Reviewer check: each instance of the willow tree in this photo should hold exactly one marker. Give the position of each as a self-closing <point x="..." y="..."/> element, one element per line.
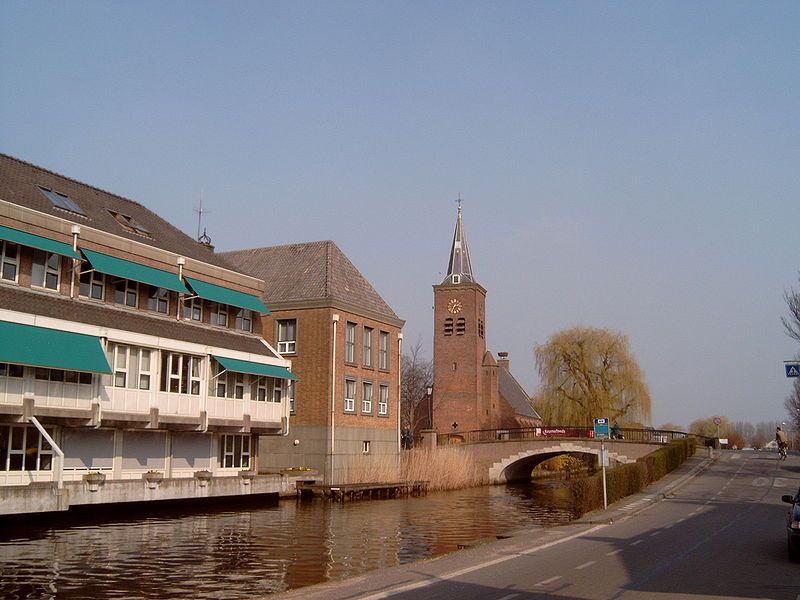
<point x="587" y="373"/>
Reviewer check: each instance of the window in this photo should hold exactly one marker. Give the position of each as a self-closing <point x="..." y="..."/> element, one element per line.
<point x="193" y="309"/>
<point x="244" y="320"/>
<point x="460" y="326"/>
<point x="367" y="346"/>
<point x="350" y="342"/>
<point x="287" y="336"/>
<point x="9" y="261"/>
<point x="290" y="387"/>
<point x="24" y="449"/>
<point x="46" y="269"/>
<point x="235" y="451"/>
<point x="60" y="376"/>
<point x="61" y="201"/>
<point x="259" y="390"/>
<point x="366" y="398"/>
<point x="229" y="384"/>
<point x="129" y="224"/>
<point x="126" y="292"/>
<point x="92" y="285"/>
<point x="480" y="327"/>
<point x="383" y="400"/>
<point x="383" y="350"/>
<point x="219" y="314"/>
<point x="180" y="373"/>
<point x="131" y="366"/>
<point x="349" y="395"/>
<point x="277" y="391"/>
<point x="8" y="370"/>
<point x="365" y="446"/>
<point x="448" y="326"/>
<point x="158" y="300"/>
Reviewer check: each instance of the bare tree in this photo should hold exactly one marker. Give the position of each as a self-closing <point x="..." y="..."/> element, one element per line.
<point x="588" y="373"/>
<point x="793" y="407"/>
<point x="416" y="377"/>
<point x="792" y="323"/>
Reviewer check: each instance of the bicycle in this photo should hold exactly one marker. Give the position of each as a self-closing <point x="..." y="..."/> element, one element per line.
<point x="781" y="451"/>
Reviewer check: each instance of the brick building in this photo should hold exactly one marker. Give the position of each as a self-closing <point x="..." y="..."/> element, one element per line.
<point x="345" y="345"/>
<point x="471" y="390"/>
<point x="127" y="349"/>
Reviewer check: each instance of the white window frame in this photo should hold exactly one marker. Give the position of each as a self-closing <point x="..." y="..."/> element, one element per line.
<point x="43" y="449"/>
<point x="191" y="385"/>
<point x="158" y="300"/>
<point x="291" y="386"/>
<point x="6" y="260"/>
<point x="96" y="281"/>
<point x="277" y="391"/>
<point x="367" y="350"/>
<point x="48" y="271"/>
<point x="365" y="446"/>
<point x="193" y="309"/>
<point x="131" y="289"/>
<point x="121" y="357"/>
<point x="287" y="344"/>
<point x="229" y="457"/>
<point x="350" y="342"/>
<point x="383" y="350"/>
<point x="243" y="321"/>
<point x="383" y="400"/>
<point x="219" y="311"/>
<point x="366" y="397"/>
<point x="259" y="390"/>
<point x="349" y="398"/>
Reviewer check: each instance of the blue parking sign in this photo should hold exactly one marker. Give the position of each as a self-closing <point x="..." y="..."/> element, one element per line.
<point x="601" y="429"/>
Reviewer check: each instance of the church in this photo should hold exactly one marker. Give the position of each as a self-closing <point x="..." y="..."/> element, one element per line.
<point x="471" y="389"/>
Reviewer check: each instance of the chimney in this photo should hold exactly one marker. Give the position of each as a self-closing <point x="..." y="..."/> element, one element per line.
<point x="502" y="360"/>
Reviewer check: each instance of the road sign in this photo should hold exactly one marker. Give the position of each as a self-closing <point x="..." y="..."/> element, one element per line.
<point x="601" y="429"/>
<point x="792" y="369"/>
<point x="717" y="420"/>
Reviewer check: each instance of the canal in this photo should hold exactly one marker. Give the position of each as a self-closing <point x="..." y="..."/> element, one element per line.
<point x="243" y="552"/>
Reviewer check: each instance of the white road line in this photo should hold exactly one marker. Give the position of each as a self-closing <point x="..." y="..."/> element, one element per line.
<point x="496" y="561"/>
<point x="551" y="580"/>
<point x="698" y="509"/>
<point x="508" y="597"/>
<point x="584" y="565"/>
<point x="655" y="533"/>
<point x="613" y="552"/>
<point x="636" y="542"/>
<point x="681" y="520"/>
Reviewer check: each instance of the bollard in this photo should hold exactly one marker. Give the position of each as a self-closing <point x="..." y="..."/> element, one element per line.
<point x="710" y="452"/>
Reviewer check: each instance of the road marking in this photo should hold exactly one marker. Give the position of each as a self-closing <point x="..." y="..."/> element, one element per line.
<point x="613" y="552"/>
<point x="698" y="509"/>
<point x="496" y="561"/>
<point x="551" y="580"/>
<point x="636" y="542"/>
<point x="655" y="533"/>
<point x="681" y="520"/>
<point x="668" y="526"/>
<point x="586" y="564"/>
<point x="508" y="597"/>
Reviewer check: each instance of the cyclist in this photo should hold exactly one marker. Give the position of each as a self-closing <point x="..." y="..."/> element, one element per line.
<point x="780" y="437"/>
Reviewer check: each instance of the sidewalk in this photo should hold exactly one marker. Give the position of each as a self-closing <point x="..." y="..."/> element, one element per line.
<point x="383" y="582"/>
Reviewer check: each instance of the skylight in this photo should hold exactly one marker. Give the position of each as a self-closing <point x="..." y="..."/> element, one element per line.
<point x="62" y="201"/>
<point x="129" y="223"/>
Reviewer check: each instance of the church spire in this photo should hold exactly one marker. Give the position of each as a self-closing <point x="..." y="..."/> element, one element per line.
<point x="459" y="269"/>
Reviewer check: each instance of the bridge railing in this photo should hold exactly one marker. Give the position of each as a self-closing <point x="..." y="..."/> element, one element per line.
<point x="658" y="436"/>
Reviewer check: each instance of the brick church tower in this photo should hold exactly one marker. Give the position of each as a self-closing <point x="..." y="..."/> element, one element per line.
<point x="459" y="344"/>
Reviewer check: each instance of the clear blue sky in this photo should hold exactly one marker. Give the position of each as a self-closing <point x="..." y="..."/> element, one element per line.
<point x="632" y="165"/>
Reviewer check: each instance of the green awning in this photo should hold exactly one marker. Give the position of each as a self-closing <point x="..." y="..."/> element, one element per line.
<point x="24" y="238"/>
<point x="41" y="347"/>
<point x="253" y="368"/>
<point x="223" y="295"/>
<point x="119" y="267"/>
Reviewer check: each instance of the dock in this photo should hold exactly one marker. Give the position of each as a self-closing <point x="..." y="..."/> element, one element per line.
<point x="362" y="491"/>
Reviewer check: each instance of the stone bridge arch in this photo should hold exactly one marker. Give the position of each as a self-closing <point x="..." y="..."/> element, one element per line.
<point x="518" y="466"/>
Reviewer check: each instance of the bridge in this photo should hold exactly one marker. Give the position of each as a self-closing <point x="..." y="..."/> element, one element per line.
<point x="511" y="454"/>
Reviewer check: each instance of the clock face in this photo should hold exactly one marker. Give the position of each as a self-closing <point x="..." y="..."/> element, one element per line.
<point x="454" y="306"/>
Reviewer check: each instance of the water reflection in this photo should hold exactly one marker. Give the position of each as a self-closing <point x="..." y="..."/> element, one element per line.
<point x="247" y="551"/>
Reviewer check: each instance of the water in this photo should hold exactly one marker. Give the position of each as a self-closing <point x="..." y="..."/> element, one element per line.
<point x="246" y="552"/>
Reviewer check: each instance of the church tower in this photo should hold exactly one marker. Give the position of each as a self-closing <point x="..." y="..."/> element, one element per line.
<point x="459" y="344"/>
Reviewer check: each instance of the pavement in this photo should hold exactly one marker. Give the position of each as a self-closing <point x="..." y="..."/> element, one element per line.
<point x="383" y="583"/>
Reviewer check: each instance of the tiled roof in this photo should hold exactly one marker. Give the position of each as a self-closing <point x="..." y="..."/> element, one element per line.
<point x="309" y="271"/>
<point x="19" y="184"/>
<point x="45" y="304"/>
<point x="515" y="394"/>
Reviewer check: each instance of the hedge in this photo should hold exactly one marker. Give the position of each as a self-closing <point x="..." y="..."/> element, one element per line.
<point x="628" y="479"/>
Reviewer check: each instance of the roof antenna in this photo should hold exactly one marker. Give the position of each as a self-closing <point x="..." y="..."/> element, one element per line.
<point x="200" y="212"/>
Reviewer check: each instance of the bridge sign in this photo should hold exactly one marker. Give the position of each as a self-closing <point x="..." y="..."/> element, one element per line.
<point x="792" y="369"/>
<point x="601" y="429"/>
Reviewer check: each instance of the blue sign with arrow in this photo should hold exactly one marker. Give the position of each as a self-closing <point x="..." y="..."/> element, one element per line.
<point x="792" y="369"/>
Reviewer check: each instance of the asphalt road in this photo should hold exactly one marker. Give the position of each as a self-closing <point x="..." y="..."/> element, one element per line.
<point x="713" y="529"/>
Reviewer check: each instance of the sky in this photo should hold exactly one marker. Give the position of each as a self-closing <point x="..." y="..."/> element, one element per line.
<point x="627" y="165"/>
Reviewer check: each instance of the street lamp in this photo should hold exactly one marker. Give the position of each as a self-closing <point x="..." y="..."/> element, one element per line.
<point x="430" y="408"/>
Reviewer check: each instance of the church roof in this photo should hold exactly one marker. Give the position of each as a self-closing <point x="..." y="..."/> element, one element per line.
<point x="515" y="394"/>
<point x="308" y="272"/>
<point x="459" y="269"/>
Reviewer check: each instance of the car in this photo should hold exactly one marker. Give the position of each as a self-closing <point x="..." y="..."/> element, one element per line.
<point x="793" y="526"/>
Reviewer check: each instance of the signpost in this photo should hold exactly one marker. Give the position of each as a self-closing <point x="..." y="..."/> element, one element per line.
<point x="601" y="433"/>
<point x="792" y="368"/>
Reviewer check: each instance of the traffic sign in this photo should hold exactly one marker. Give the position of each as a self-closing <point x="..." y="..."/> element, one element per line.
<point x="601" y="429"/>
<point x="792" y="369"/>
<point x="717" y="420"/>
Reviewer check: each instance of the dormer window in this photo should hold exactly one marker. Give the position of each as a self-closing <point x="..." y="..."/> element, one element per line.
<point x="129" y="224"/>
<point x="61" y="201"/>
